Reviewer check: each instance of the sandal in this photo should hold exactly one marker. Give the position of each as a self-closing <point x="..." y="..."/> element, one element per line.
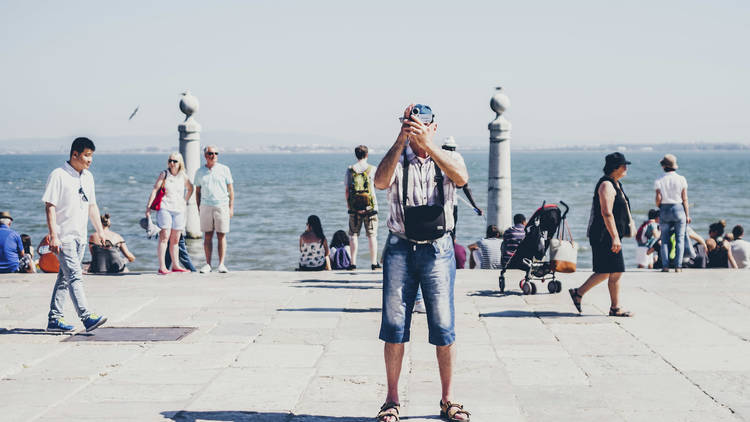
<point x="448" y="411"/>
<point x="619" y="313"/>
<point x="389" y="409"/>
<point x="573" y="295"/>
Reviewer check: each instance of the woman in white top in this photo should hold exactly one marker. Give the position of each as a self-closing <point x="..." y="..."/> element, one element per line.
<point x="674" y="212"/>
<point x="171" y="215"/>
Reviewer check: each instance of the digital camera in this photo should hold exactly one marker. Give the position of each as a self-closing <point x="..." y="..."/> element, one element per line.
<point x="423" y="112"/>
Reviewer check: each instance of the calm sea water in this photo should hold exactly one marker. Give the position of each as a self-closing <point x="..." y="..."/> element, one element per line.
<point x="276" y="193"/>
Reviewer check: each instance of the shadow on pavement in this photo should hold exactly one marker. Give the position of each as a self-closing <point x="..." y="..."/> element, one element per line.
<point x="339" y="281"/>
<point x="493" y="293"/>
<point x="350" y="310"/>
<point x="32" y="331"/>
<point x="244" y="416"/>
<point x="338" y="287"/>
<point x="531" y="314"/>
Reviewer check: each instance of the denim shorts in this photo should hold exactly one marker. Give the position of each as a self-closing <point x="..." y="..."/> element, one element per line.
<point x="407" y="266"/>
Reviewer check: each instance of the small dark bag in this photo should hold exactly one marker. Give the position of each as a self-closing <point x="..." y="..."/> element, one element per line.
<point x="424" y="222"/>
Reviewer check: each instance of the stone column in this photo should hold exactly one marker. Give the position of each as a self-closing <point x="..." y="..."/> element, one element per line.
<point x="499" y="210"/>
<point x="190" y="148"/>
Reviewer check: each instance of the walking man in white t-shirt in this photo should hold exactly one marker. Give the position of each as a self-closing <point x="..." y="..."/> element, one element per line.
<point x="674" y="211"/>
<point x="70" y="200"/>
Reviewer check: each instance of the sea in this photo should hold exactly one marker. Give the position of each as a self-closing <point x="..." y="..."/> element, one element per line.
<point x="275" y="193"/>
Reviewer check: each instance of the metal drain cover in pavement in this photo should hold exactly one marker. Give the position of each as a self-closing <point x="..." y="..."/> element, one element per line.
<point x="134" y="334"/>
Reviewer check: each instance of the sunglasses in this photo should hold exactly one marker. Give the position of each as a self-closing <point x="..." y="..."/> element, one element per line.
<point x="173" y="161"/>
<point x="212" y="153"/>
<point x="83" y="194"/>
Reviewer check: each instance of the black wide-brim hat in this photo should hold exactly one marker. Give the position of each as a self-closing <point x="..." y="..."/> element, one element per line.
<point x="616" y="159"/>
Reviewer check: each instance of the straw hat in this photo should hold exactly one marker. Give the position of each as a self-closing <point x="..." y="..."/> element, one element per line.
<point x="670" y="161"/>
<point x="6" y="214"/>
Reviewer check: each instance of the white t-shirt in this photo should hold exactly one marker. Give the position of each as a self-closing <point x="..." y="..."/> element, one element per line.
<point x="741" y="252"/>
<point x="671" y="186"/>
<point x="71" y="193"/>
<point x="174" y="192"/>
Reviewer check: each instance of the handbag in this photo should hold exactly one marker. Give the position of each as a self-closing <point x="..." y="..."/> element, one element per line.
<point x="156" y="205"/>
<point x="424" y="222"/>
<point x="563" y="253"/>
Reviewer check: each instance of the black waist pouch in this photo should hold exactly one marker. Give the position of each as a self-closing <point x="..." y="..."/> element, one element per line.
<point x="425" y="222"/>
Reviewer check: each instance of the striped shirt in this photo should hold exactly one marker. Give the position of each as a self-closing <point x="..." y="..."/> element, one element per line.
<point x="491" y="253"/>
<point x="422" y="189"/>
<point x="511" y="239"/>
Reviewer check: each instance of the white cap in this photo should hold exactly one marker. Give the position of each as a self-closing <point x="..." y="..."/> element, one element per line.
<point x="450" y="142"/>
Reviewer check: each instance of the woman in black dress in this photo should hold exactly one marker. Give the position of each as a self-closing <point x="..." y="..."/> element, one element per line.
<point x="610" y="221"/>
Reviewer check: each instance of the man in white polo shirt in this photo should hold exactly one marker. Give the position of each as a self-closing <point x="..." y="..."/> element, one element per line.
<point x="70" y="200"/>
<point x="214" y="195"/>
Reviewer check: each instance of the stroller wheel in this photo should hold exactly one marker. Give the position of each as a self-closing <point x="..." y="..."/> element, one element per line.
<point x="559" y="286"/>
<point x="526" y="288"/>
<point x="552" y="287"/>
<point x="501" y="284"/>
<point x="533" y="288"/>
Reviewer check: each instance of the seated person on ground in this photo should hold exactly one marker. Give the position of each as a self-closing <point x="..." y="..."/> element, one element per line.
<point x="646" y="237"/>
<point x="513" y="237"/>
<point x="27" y="264"/>
<point x="11" y="246"/>
<point x="719" y="249"/>
<point x="740" y="248"/>
<point x="313" y="247"/>
<point x="341" y="254"/>
<point x="488" y="251"/>
<point x="108" y="258"/>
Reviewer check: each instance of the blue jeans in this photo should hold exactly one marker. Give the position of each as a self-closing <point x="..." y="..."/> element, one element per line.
<point x="69" y="279"/>
<point x="185" y="260"/>
<point x="408" y="266"/>
<point x="672" y="218"/>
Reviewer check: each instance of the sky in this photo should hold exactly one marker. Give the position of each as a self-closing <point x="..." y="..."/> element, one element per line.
<point x="576" y="72"/>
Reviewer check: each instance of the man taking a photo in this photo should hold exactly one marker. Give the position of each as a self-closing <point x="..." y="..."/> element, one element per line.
<point x="421" y="180"/>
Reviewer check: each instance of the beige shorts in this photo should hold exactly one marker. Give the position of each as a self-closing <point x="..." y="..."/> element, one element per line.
<point x="214" y="219"/>
<point x="370" y="222"/>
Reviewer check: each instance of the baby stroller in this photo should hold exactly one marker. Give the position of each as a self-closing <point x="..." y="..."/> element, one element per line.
<point x="541" y="228"/>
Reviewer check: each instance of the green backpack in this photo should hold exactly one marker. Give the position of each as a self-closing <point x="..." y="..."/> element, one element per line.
<point x="360" y="191"/>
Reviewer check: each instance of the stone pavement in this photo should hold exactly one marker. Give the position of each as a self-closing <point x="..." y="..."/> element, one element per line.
<point x="303" y="347"/>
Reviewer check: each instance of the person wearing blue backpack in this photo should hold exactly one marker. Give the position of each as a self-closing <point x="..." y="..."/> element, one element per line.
<point x="341" y="258"/>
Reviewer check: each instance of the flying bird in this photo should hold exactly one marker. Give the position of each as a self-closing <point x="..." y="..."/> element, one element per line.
<point x="134" y="111"/>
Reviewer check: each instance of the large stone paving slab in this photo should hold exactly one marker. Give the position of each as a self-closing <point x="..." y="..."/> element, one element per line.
<point x="291" y="347"/>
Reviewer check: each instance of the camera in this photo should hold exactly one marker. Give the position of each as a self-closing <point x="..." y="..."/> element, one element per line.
<point x="423" y="113"/>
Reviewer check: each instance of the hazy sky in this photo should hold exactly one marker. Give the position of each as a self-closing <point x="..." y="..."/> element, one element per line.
<point x="576" y="71"/>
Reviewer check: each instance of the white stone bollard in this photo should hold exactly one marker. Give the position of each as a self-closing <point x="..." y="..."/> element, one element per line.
<point x="190" y="148"/>
<point x="499" y="210"/>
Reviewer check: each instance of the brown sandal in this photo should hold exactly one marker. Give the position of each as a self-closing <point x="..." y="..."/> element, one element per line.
<point x="389" y="409"/>
<point x="619" y="313"/>
<point x="448" y="411"/>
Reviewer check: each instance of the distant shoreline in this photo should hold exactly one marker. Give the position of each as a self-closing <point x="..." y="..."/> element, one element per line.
<point x="379" y="149"/>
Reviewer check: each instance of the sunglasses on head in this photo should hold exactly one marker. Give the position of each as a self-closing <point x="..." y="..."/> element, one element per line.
<point x="212" y="153"/>
<point x="172" y="161"/>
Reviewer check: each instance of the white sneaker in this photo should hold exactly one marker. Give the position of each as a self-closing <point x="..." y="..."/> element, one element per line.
<point x="419" y="307"/>
<point x="205" y="269"/>
<point x="222" y="269"/>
